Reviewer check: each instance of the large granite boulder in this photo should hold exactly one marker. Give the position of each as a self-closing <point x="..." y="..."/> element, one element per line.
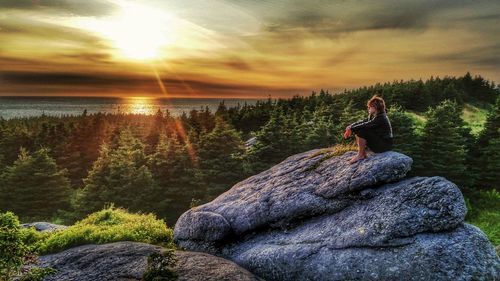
<point x="315" y="217"/>
<point x="460" y="254"/>
<point x="128" y="261"/>
<point x="303" y="185"/>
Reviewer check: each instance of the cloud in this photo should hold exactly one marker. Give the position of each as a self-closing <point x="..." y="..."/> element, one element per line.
<point x="81" y="8"/>
<point x="255" y="47"/>
<point x="340" y="57"/>
<point x="481" y="56"/>
<point x="334" y="18"/>
<point x="486" y="17"/>
<point x="68" y="83"/>
<point x="61" y="78"/>
<point x="33" y="28"/>
<point x="238" y="64"/>
<point x="100" y="58"/>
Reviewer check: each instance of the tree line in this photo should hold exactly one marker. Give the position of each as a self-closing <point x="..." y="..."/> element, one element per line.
<point x="69" y="166"/>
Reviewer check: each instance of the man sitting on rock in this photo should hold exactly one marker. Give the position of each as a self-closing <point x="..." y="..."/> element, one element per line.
<point x="375" y="132"/>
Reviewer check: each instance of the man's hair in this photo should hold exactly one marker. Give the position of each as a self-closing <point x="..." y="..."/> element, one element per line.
<point x="378" y="102"/>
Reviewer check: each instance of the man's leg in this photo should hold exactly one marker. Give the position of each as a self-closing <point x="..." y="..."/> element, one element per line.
<point x="361" y="150"/>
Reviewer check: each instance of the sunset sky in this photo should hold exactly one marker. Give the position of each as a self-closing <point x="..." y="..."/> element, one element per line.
<point x="239" y="48"/>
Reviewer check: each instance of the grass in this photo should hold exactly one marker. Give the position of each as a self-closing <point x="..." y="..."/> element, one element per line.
<point x="419" y="120"/>
<point x="335" y="150"/>
<point x="474" y="117"/>
<point x="484" y="212"/>
<point x="105" y="226"/>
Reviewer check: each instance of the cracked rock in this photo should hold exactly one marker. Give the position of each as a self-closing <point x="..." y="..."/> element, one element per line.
<point x="315" y="217"/>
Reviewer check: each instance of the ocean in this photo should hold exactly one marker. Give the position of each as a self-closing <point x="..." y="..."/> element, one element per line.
<point x="15" y="107"/>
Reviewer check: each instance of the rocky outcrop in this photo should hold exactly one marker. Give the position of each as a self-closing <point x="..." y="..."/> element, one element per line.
<point x="128" y="261"/>
<point x="44" y="226"/>
<point x="461" y="254"/>
<point x="315" y="217"/>
<point x="303" y="185"/>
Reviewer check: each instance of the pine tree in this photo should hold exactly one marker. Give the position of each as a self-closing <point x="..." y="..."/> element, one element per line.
<point x="452" y="93"/>
<point x="490" y="165"/>
<point x="222" y="112"/>
<point x="295" y="138"/>
<point x="2" y="163"/>
<point x="220" y="153"/>
<point x="403" y="128"/>
<point x="486" y="162"/>
<point x="82" y="147"/>
<point x="320" y="131"/>
<point x="491" y="125"/>
<point x="349" y="115"/>
<point x="271" y="145"/>
<point x="157" y="128"/>
<point x="12" y="138"/>
<point x="118" y="176"/>
<point x="170" y="163"/>
<point x="175" y="175"/>
<point x="34" y="187"/>
<point x="443" y="145"/>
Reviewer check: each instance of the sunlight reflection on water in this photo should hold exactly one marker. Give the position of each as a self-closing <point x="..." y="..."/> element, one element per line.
<point x="140" y="106"/>
<point x="11" y="107"/>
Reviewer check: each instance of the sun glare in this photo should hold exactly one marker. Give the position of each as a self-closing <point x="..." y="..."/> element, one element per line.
<point x="136" y="32"/>
<point x="140" y="32"/>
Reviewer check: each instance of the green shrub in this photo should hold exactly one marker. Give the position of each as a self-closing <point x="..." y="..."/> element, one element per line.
<point x="37" y="274"/>
<point x="161" y="267"/>
<point x="12" y="249"/>
<point x="485" y="212"/>
<point x="14" y="252"/>
<point x="32" y="238"/>
<point x="109" y="225"/>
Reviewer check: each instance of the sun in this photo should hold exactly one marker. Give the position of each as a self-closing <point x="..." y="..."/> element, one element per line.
<point x="139" y="32"/>
<point x="136" y="32"/>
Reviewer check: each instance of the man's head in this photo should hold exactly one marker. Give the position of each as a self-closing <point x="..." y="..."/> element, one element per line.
<point x="376" y="105"/>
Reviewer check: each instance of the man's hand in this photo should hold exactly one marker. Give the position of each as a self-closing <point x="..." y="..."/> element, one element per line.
<point x="347" y="132"/>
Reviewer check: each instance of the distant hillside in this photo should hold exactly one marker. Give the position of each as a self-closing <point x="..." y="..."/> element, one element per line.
<point x="473" y="115"/>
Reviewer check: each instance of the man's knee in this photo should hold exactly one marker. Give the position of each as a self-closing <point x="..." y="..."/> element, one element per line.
<point x="361" y="138"/>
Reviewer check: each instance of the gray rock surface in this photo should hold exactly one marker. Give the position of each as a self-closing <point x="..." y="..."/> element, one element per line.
<point x="430" y="205"/>
<point x="458" y="255"/>
<point x="303" y="185"/>
<point x="196" y="266"/>
<point x="336" y="221"/>
<point x="44" y="226"/>
<point x="128" y="261"/>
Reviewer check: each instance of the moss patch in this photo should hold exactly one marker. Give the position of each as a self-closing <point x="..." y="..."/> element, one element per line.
<point x="106" y="226"/>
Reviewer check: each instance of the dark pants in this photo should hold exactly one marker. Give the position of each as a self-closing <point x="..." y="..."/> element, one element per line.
<point x="374" y="142"/>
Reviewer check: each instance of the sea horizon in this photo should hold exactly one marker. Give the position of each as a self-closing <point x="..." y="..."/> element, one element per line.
<point x="32" y="106"/>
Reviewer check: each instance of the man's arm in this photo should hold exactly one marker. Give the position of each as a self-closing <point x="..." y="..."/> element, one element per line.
<point x="360" y="121"/>
<point x="373" y="123"/>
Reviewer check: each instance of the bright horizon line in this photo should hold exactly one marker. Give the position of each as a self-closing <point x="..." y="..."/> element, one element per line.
<point x="131" y="97"/>
<point x="142" y="97"/>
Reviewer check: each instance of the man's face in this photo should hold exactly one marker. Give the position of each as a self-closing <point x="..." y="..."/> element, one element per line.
<point x="371" y="109"/>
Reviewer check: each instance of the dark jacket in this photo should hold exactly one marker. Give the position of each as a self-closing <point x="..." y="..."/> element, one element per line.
<point x="379" y="123"/>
